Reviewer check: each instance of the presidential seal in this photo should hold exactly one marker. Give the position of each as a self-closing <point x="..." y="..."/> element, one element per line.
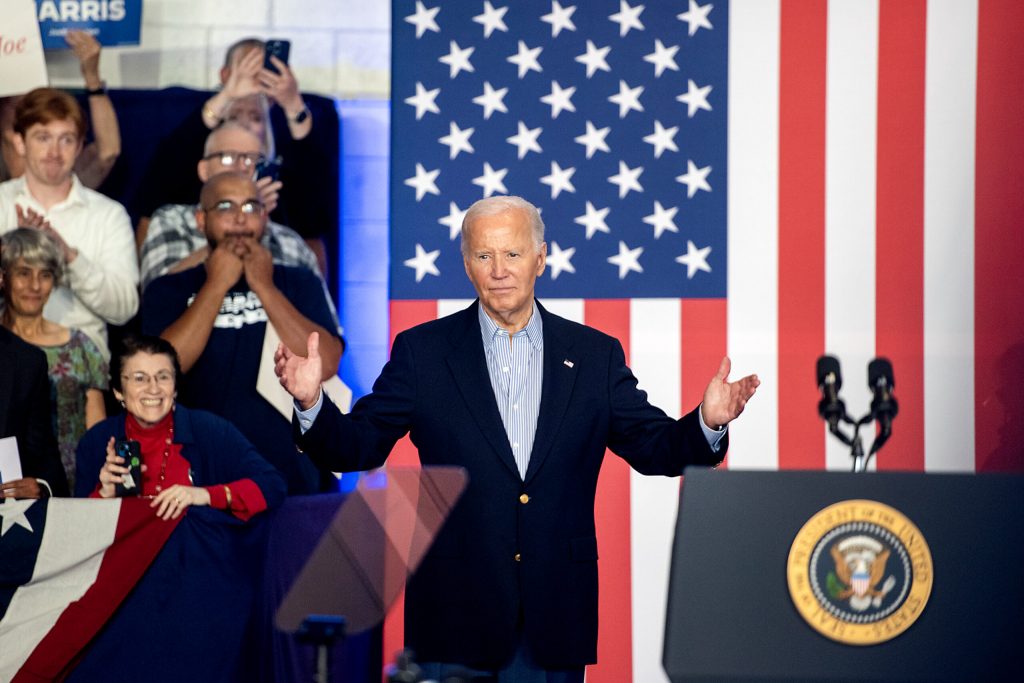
<point x="859" y="572"/>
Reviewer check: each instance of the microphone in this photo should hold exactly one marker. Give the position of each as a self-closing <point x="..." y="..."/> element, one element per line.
<point x="830" y="381"/>
<point x="883" y="404"/>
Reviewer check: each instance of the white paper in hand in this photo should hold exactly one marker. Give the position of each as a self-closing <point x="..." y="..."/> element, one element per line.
<point x="10" y="462"/>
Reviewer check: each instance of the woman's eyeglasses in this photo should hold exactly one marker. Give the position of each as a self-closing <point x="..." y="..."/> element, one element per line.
<point x="142" y="379"/>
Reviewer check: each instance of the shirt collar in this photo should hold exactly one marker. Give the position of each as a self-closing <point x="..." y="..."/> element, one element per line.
<point x="534" y="329"/>
<point x="75" y="195"/>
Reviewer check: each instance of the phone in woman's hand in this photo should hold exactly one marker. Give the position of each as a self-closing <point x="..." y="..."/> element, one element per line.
<point x="132" y="480"/>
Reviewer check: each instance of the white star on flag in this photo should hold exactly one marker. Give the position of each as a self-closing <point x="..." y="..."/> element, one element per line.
<point x="662" y="138"/>
<point x="560" y="18"/>
<point x="695" y="98"/>
<point x="423" y="262"/>
<point x="423" y="100"/>
<point x="593" y="139"/>
<point x="526" y="140"/>
<point x="457" y="59"/>
<point x="593" y="220"/>
<point x="662" y="58"/>
<point x="491" y="100"/>
<point x="662" y="219"/>
<point x="695" y="178"/>
<point x="627" y="179"/>
<point x="526" y="59"/>
<point x="627" y="17"/>
<point x="559" y="179"/>
<point x="492" y="19"/>
<point x="560" y="260"/>
<point x="457" y="140"/>
<point x="694" y="259"/>
<point x="492" y="181"/>
<point x="594" y="58"/>
<point x="627" y="98"/>
<point x="696" y="17"/>
<point x="453" y="220"/>
<point x="423" y="19"/>
<point x="12" y="513"/>
<point x="423" y="181"/>
<point x="560" y="99"/>
<point x="627" y="260"/>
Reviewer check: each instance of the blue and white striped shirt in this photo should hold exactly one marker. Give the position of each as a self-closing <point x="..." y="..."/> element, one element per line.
<point x="516" y="367"/>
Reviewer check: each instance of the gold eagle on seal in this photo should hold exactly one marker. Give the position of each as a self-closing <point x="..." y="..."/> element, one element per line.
<point x="860" y="568"/>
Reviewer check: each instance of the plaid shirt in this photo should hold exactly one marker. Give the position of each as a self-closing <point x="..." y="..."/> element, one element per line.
<point x="173" y="235"/>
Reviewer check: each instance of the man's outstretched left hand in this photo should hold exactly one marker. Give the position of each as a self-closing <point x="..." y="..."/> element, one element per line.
<point x="725" y="400"/>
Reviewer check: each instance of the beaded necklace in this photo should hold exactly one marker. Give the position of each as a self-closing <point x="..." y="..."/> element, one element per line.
<point x="163" y="462"/>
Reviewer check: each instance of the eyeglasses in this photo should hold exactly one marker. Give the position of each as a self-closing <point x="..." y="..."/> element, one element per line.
<point x="246" y="159"/>
<point x="141" y="379"/>
<point x="250" y="207"/>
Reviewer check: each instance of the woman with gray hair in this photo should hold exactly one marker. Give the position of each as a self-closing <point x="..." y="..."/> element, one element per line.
<point x="31" y="265"/>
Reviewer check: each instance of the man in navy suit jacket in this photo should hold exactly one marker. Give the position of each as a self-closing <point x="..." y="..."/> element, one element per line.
<point x="511" y="580"/>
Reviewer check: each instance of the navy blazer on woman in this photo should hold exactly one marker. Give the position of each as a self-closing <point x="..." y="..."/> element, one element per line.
<point x="513" y="548"/>
<point x="216" y="452"/>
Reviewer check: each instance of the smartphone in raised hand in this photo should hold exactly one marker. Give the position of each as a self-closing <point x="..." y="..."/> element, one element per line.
<point x="276" y="48"/>
<point x="132" y="480"/>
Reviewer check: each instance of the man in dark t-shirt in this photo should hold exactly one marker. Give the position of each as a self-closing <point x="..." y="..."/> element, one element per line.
<point x="216" y="316"/>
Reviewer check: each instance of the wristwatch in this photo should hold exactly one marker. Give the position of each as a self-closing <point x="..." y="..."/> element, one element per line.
<point x="301" y="116"/>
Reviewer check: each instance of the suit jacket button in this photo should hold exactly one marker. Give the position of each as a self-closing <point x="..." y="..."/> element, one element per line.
<point x="524" y="499"/>
<point x="518" y="557"/>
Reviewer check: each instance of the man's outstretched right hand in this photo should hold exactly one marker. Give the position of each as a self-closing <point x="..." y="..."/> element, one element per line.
<point x="300" y="376"/>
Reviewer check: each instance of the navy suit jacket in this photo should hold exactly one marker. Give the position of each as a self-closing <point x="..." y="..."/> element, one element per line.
<point x="26" y="412"/>
<point x="514" y="551"/>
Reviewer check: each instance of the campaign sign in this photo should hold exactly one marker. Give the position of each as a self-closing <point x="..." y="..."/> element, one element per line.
<point x="112" y="22"/>
<point x="22" y="65"/>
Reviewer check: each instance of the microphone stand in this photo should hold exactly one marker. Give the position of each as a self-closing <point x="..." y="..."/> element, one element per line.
<point x="856" y="444"/>
<point x="860" y="461"/>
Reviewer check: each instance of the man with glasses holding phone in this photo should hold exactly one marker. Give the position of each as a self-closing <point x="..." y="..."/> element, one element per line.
<point x="259" y="91"/>
<point x="174" y="243"/>
<point x="216" y="314"/>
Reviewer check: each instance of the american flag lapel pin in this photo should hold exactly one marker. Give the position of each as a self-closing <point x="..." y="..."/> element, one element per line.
<point x="567" y="363"/>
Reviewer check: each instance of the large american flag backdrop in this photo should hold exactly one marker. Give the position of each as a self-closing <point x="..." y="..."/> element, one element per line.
<point x="772" y="179"/>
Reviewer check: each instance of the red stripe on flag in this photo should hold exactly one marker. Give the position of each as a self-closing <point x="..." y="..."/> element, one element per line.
<point x="899" y="256"/>
<point x="403" y="315"/>
<point x="802" y="62"/>
<point x="611" y="512"/>
<point x="998" y="244"/>
<point x="139" y="536"/>
<point x="408" y="314"/>
<point x="702" y="338"/>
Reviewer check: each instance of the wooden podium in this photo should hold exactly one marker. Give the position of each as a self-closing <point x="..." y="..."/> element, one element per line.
<point x="856" y="577"/>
